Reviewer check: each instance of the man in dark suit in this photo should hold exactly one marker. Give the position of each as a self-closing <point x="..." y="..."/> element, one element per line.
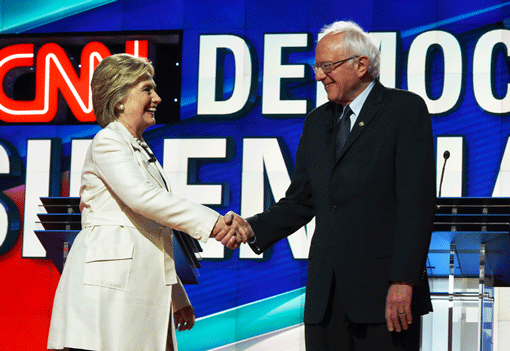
<point x="373" y="196"/>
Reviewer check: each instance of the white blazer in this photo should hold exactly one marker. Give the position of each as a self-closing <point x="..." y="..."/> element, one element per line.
<point x="119" y="281"/>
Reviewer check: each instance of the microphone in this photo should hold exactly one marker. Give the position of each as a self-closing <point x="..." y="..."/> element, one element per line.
<point x="152" y="158"/>
<point x="146" y="148"/>
<point x="446" y="156"/>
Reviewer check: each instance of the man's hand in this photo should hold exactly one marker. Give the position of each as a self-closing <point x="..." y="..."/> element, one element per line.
<point x="242" y="227"/>
<point x="225" y="232"/>
<point x="232" y="230"/>
<point x="398" y="307"/>
<point x="184" y="318"/>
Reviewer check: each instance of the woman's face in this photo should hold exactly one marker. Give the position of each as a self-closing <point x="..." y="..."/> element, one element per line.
<point x="140" y="106"/>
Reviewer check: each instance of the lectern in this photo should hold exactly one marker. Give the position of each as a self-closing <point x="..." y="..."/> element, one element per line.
<point x="473" y="234"/>
<point x="60" y="222"/>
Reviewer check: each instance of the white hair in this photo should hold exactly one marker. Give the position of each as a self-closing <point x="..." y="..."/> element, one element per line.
<point x="357" y="42"/>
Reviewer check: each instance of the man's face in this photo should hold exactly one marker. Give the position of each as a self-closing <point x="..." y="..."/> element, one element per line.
<point x="343" y="82"/>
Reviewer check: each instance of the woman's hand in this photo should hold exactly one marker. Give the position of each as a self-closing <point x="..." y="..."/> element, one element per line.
<point x="184" y="318"/>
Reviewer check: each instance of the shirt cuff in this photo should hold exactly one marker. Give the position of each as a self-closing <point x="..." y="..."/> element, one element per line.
<point x="254" y="246"/>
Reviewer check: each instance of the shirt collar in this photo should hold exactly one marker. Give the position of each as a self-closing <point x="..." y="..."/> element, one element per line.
<point x="358" y="102"/>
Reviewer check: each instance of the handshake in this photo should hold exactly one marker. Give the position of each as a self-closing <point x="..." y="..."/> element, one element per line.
<point x="232" y="230"/>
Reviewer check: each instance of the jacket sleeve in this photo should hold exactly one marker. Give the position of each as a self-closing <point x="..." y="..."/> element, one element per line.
<point x="291" y="212"/>
<point x="416" y="193"/>
<point x="118" y="168"/>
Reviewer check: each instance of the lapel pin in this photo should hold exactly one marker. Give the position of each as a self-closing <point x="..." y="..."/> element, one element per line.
<point x="361" y="124"/>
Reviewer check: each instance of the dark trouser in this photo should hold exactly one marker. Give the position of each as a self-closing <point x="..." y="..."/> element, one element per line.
<point x="337" y="333"/>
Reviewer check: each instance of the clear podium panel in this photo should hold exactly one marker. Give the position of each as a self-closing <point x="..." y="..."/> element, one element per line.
<point x="471" y="239"/>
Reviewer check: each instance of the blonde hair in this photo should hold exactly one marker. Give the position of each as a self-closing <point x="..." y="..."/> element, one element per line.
<point x="111" y="82"/>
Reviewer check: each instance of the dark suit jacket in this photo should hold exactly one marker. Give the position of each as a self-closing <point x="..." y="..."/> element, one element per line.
<point x="374" y="208"/>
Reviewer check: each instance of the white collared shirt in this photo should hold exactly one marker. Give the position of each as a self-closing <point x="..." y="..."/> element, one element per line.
<point x="357" y="104"/>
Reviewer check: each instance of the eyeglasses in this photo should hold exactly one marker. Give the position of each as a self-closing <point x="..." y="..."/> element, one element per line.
<point x="327" y="67"/>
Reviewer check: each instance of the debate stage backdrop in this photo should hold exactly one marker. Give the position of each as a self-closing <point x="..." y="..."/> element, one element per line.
<point x="236" y="82"/>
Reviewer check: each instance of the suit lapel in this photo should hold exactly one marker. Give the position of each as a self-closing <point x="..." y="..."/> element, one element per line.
<point x="333" y="112"/>
<point x="163" y="175"/>
<point x="153" y="168"/>
<point x="155" y="171"/>
<point x="367" y="113"/>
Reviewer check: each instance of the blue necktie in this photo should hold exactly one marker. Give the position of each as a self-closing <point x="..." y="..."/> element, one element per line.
<point x="343" y="130"/>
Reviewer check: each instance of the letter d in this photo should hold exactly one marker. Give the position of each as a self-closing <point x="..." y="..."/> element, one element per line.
<point x="213" y="49"/>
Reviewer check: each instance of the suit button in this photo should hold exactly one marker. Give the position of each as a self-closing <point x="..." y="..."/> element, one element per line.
<point x="334" y="208"/>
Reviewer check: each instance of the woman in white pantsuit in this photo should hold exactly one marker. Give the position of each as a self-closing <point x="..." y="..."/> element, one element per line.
<point x="119" y="287"/>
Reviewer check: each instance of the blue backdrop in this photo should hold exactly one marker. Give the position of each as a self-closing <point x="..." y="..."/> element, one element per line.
<point x="229" y="283"/>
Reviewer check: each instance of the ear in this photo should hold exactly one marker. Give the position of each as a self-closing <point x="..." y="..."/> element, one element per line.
<point x="362" y="64"/>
